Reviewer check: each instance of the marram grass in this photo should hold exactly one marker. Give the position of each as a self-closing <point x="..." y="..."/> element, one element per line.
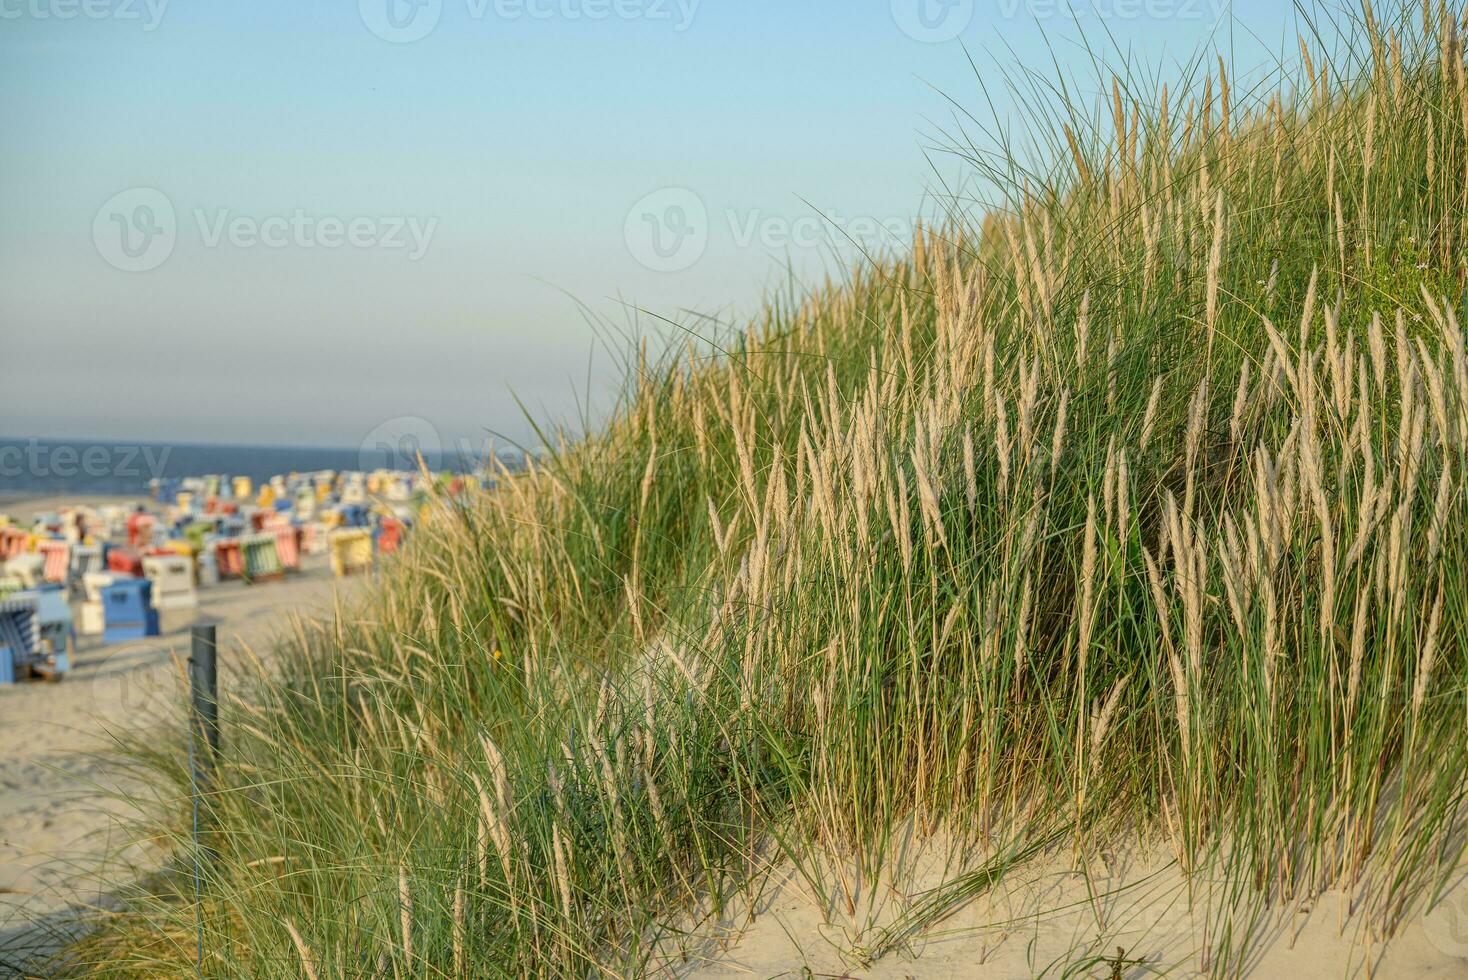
<point x="1132" y="509"/>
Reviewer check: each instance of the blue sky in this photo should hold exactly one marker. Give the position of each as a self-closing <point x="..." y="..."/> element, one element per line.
<point x="289" y="222"/>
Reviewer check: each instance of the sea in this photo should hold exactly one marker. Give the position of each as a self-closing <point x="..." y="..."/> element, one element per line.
<point x="46" y="467"/>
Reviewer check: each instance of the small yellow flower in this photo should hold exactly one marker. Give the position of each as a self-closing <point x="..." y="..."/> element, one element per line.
<point x="498" y="655"/>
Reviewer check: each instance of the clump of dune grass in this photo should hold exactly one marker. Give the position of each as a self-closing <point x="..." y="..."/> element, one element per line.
<point x="1130" y="508"/>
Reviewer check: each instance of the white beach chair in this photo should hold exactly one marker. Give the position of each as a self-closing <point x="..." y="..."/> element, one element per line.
<point x="30" y="568"/>
<point x="173" y="581"/>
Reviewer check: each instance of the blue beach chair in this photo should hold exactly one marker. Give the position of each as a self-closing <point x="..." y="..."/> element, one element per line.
<point x="19" y="634"/>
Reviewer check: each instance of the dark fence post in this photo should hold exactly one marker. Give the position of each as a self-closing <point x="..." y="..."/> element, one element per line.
<point x="203" y="749"/>
<point x="204" y="703"/>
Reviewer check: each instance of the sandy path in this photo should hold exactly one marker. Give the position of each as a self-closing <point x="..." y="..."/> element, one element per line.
<point x="56" y="823"/>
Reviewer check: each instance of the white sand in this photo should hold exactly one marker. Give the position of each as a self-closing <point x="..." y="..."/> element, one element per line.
<point x="57" y="825"/>
<point x="1049" y="920"/>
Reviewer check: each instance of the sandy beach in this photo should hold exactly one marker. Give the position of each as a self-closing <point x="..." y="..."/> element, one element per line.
<point x="58" y="807"/>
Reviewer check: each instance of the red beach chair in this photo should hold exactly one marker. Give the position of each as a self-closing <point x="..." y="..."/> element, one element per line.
<point x="228" y="559"/>
<point x="58" y="560"/>
<point x="128" y="561"/>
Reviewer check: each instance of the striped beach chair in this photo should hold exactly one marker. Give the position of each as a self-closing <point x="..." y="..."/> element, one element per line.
<point x="262" y="558"/>
<point x="288" y="547"/>
<point x="229" y="559"/>
<point x="85" y="559"/>
<point x="12" y="542"/>
<point x="57" y="555"/>
<point x="19" y="635"/>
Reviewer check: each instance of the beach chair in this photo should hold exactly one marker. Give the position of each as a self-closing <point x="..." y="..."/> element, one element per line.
<point x="92" y="619"/>
<point x="173" y="581"/>
<point x="128" y="610"/>
<point x="55" y="635"/>
<point x="29" y="568"/>
<point x="288" y="546"/>
<point x="389" y="536"/>
<point x="262" y="559"/>
<point x="125" y="561"/>
<point x="19" y="635"/>
<point x="139" y="529"/>
<point x="195" y="532"/>
<point x="92" y="615"/>
<point x="228" y="558"/>
<point x="85" y="559"/>
<point x="351" y="550"/>
<point x="94" y="582"/>
<point x="36" y="630"/>
<point x="207" y="564"/>
<point x="12" y="542"/>
<point x="313" y="538"/>
<point x="57" y="560"/>
<point x="70" y="531"/>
